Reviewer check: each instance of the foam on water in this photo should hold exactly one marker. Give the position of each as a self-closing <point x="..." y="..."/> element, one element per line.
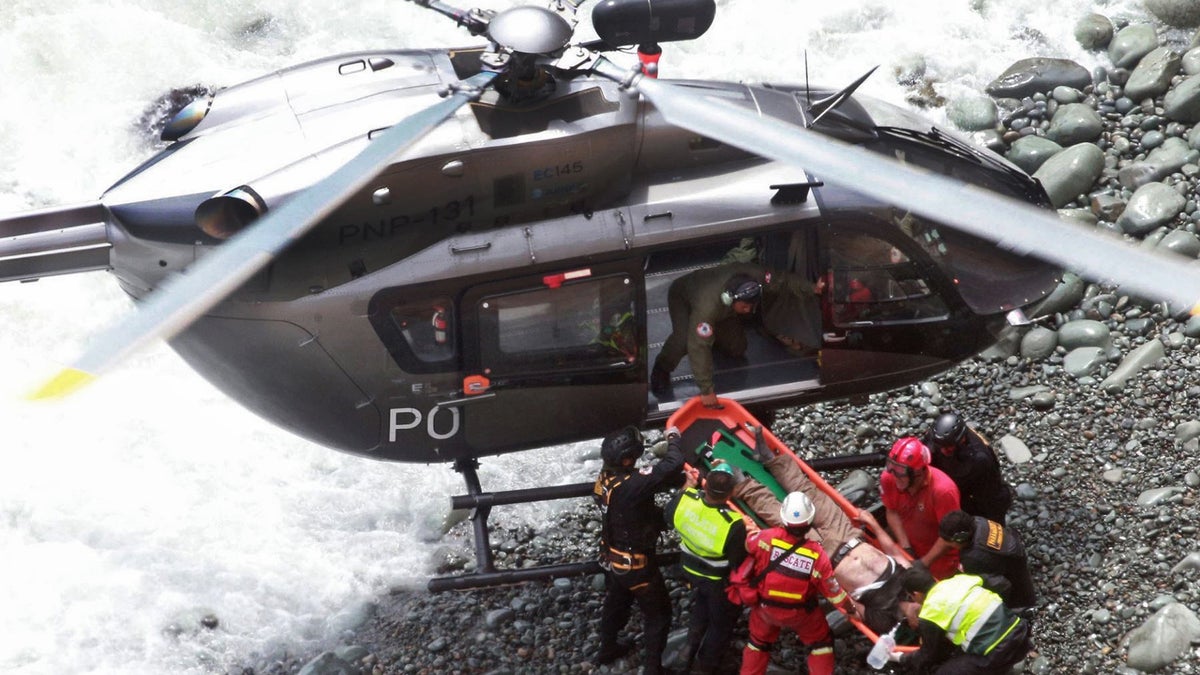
<point x="150" y="500"/>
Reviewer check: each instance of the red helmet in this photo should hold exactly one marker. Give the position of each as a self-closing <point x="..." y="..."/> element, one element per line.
<point x="910" y="452"/>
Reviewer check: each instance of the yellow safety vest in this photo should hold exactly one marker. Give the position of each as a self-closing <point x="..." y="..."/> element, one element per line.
<point x="703" y="530"/>
<point x="962" y="607"/>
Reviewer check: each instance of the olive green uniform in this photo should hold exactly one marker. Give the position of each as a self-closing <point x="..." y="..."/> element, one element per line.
<point x="700" y="320"/>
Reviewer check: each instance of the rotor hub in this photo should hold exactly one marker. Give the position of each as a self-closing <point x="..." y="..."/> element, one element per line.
<point x="531" y="30"/>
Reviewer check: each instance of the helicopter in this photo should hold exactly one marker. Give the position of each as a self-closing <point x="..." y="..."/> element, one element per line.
<point x="414" y="255"/>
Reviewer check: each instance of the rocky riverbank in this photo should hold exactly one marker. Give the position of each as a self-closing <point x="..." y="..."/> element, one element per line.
<point x="1094" y="408"/>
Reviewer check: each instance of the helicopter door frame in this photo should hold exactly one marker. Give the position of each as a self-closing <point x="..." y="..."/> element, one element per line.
<point x="562" y="349"/>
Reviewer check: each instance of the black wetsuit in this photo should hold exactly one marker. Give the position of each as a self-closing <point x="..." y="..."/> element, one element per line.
<point x="975" y="470"/>
<point x="631" y="524"/>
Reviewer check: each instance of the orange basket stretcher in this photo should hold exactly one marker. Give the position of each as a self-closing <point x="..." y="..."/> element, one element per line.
<point x="725" y="433"/>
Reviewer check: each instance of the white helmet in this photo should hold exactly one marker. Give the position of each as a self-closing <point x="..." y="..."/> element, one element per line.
<point x="797" y="510"/>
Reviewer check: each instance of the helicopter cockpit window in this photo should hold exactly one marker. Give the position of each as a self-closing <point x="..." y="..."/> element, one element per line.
<point x="872" y="281"/>
<point x="575" y="325"/>
<point x="427" y="330"/>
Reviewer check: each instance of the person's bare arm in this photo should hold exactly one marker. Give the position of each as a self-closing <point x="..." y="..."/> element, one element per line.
<point x="898" y="532"/>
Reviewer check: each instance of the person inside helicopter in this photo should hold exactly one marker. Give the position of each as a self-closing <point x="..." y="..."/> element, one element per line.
<point x="708" y="308"/>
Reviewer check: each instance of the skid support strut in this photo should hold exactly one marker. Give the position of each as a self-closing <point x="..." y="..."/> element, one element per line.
<point x="485" y="573"/>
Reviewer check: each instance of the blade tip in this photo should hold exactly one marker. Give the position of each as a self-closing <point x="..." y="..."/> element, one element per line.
<point x="62" y="385"/>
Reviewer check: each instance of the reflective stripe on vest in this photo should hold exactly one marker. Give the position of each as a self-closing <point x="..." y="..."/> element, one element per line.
<point x="703" y="530"/>
<point x="960" y="606"/>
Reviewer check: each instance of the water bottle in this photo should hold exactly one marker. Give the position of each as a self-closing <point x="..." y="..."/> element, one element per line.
<point x="878" y="657"/>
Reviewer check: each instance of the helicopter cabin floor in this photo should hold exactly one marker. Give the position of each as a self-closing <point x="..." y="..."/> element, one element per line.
<point x="767" y="368"/>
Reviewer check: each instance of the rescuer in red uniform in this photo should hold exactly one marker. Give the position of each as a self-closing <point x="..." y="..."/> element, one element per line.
<point x="797" y="573"/>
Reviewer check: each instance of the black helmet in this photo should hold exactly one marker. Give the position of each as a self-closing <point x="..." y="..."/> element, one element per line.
<point x="948" y="429"/>
<point x="742" y="288"/>
<point x="622" y="445"/>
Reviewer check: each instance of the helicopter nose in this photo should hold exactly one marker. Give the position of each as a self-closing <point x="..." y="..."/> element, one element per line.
<point x="225" y="215"/>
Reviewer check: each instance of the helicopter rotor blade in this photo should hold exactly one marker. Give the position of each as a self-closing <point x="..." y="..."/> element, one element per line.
<point x="1014" y="225"/>
<point x="187" y="296"/>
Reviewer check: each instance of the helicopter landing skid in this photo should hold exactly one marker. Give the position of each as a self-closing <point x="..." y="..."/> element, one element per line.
<point x="486" y="574"/>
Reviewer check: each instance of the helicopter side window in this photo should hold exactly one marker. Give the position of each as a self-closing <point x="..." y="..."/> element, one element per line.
<point x="426" y="330"/>
<point x="875" y="282"/>
<point x="560" y="326"/>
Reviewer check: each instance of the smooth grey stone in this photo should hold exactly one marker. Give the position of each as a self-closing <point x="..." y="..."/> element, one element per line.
<point x="1020" y="393"/>
<point x="1192" y="327"/>
<point x="1190" y="61"/>
<point x="1153" y="74"/>
<point x="1164" y="637"/>
<point x="1063" y="95"/>
<point x="1014" y="449"/>
<point x="1075" y="123"/>
<point x="1030" y="152"/>
<point x="1038" y="343"/>
<point x="1160" y="163"/>
<point x="1084" y="361"/>
<point x="1181" y="242"/>
<point x="1155" y="496"/>
<point x="1081" y="216"/>
<point x="973" y="113"/>
<point x="1131" y="43"/>
<point x="1182" y="103"/>
<point x="1145" y="355"/>
<point x="1176" y="13"/>
<point x="1066" y="295"/>
<point x="1152" y="205"/>
<point x="1093" y="31"/>
<point x="1044" y="400"/>
<point x="1083" y="333"/>
<point x="1108" y="207"/>
<point x="1193" y="137"/>
<point x="1038" y="75"/>
<point x="1071" y="172"/>
<point x="1186" y="431"/>
<point x="1190" y="562"/>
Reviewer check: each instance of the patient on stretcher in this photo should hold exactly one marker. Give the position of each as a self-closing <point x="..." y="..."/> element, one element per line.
<point x="868" y="574"/>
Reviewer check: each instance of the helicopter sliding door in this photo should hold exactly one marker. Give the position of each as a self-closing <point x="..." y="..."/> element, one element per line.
<point x="561" y="352"/>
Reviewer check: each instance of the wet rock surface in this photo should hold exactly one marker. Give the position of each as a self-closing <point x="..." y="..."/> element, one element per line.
<point x="1094" y="410"/>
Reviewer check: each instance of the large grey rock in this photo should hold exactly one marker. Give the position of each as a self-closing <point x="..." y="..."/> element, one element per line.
<point x="1131" y="43"/>
<point x="1182" y="103"/>
<point x="1083" y="333"/>
<point x="1074" y="123"/>
<point x="1164" y="637"/>
<point x="1190" y="62"/>
<point x="1071" y="172"/>
<point x="1038" y="75"/>
<point x="1153" y="74"/>
<point x="1093" y="31"/>
<point x="1182" y="242"/>
<point x="1177" y="13"/>
<point x="1153" y="204"/>
<point x="1186" y="431"/>
<point x="1084" y="361"/>
<point x="1160" y="163"/>
<point x="1014" y="449"/>
<point x="1066" y="295"/>
<point x="1030" y="152"/>
<point x="1038" y="343"/>
<point x="1147" y="354"/>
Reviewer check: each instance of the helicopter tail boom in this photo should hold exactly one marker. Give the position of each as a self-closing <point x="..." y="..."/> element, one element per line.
<point x="53" y="241"/>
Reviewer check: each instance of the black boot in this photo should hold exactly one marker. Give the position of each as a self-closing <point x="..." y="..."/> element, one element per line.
<point x="607" y="655"/>
<point x="660" y="381"/>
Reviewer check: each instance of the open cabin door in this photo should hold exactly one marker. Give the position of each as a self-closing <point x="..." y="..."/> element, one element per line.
<point x="554" y="354"/>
